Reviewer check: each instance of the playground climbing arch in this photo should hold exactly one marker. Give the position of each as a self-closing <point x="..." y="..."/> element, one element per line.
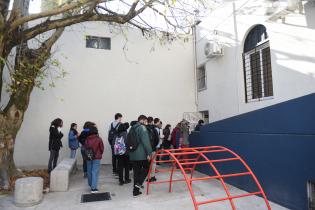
<point x="186" y="160"/>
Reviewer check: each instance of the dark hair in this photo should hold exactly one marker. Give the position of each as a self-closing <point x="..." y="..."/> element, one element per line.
<point x="72" y="126"/>
<point x="117" y="116"/>
<point x="150" y="120"/>
<point x="156" y="120"/>
<point x="93" y="130"/>
<point x="126" y="125"/>
<point x="56" y="122"/>
<point x="87" y="124"/>
<point x="142" y="117"/>
<point x="123" y="127"/>
<point x="132" y="123"/>
<point x="200" y="122"/>
<point x="167" y="126"/>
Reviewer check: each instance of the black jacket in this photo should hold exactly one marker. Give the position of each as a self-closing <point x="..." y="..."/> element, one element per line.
<point x="166" y="140"/>
<point x="83" y="136"/>
<point x="198" y="127"/>
<point x="154" y="136"/>
<point x="54" y="138"/>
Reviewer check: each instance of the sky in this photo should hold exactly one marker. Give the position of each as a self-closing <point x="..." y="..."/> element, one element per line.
<point x="34" y="6"/>
<point x="150" y="17"/>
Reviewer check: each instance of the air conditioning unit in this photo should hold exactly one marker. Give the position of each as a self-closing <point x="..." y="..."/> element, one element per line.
<point x="213" y="49"/>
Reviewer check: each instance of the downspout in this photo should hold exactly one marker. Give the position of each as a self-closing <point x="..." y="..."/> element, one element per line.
<point x="194" y="31"/>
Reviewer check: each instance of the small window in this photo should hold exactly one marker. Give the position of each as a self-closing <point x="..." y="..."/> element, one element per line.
<point x="257" y="65"/>
<point x="311" y="195"/>
<point x="205" y="116"/>
<point x="201" y="78"/>
<point x="98" y="42"/>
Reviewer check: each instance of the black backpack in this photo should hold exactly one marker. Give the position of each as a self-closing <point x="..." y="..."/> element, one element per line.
<point x="112" y="133"/>
<point x="89" y="154"/>
<point x="132" y="142"/>
<point x="151" y="134"/>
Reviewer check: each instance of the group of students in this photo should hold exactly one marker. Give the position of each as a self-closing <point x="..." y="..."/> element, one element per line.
<point x="133" y="146"/>
<point x="134" y="149"/>
<point x="92" y="148"/>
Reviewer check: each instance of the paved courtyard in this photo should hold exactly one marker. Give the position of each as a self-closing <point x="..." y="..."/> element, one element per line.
<point x="122" y="198"/>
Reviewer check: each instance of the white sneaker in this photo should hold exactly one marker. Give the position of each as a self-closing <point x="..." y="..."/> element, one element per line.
<point x="94" y="191"/>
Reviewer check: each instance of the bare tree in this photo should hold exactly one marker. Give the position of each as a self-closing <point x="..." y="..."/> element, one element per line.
<point x="18" y="27"/>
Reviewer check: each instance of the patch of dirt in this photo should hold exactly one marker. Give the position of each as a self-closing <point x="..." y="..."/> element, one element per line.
<point x="36" y="173"/>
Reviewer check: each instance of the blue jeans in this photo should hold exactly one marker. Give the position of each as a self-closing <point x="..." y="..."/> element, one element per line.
<point x="73" y="153"/>
<point x="93" y="169"/>
<point x="53" y="159"/>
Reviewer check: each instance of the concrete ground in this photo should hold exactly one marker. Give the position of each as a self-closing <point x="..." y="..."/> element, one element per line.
<point x="122" y="198"/>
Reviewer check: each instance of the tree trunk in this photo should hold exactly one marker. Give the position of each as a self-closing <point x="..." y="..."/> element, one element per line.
<point x="10" y="123"/>
<point x="28" y="63"/>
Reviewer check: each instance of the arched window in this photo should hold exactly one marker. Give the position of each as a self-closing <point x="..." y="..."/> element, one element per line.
<point x="257" y="65"/>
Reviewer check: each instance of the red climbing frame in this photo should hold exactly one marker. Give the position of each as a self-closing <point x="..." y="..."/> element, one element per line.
<point x="186" y="159"/>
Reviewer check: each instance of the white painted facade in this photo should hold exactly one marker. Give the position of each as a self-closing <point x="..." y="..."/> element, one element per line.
<point x="141" y="76"/>
<point x="292" y="45"/>
<point x="137" y="76"/>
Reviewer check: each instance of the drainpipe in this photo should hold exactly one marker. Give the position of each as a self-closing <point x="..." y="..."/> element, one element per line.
<point x="194" y="32"/>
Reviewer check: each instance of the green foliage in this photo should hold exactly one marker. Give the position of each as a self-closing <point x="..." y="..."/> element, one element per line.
<point x="32" y="73"/>
<point x="53" y="71"/>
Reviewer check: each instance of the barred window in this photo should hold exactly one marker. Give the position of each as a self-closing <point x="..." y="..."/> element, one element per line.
<point x="201" y="78"/>
<point x="98" y="42"/>
<point x="257" y="65"/>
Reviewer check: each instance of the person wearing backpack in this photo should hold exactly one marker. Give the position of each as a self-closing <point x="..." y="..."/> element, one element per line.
<point x="112" y="133"/>
<point x="94" y="149"/>
<point x="154" y="139"/>
<point x="140" y="151"/>
<point x="166" y="137"/>
<point x="158" y="127"/>
<point x="82" y="138"/>
<point x="175" y="136"/>
<point x="153" y="135"/>
<point x="55" y="143"/>
<point x="122" y="154"/>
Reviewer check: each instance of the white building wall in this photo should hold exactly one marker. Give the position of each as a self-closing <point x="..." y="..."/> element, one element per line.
<point x="292" y="53"/>
<point x="137" y="76"/>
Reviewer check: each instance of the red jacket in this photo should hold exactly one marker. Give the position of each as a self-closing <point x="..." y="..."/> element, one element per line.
<point x="96" y="144"/>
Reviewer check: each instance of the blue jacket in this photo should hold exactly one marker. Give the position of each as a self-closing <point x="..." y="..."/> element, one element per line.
<point x="73" y="141"/>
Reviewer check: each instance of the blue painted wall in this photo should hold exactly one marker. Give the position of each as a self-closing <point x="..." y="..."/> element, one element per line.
<point x="277" y="142"/>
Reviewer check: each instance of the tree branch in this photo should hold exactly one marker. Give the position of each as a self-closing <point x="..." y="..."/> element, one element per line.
<point x="51" y="40"/>
<point x="4" y="8"/>
<point x="18" y="7"/>
<point x="133" y="8"/>
<point x="59" y="23"/>
<point x="30" y="56"/>
<point x="68" y="6"/>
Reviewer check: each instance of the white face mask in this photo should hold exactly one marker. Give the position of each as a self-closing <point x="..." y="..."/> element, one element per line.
<point x="59" y="129"/>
